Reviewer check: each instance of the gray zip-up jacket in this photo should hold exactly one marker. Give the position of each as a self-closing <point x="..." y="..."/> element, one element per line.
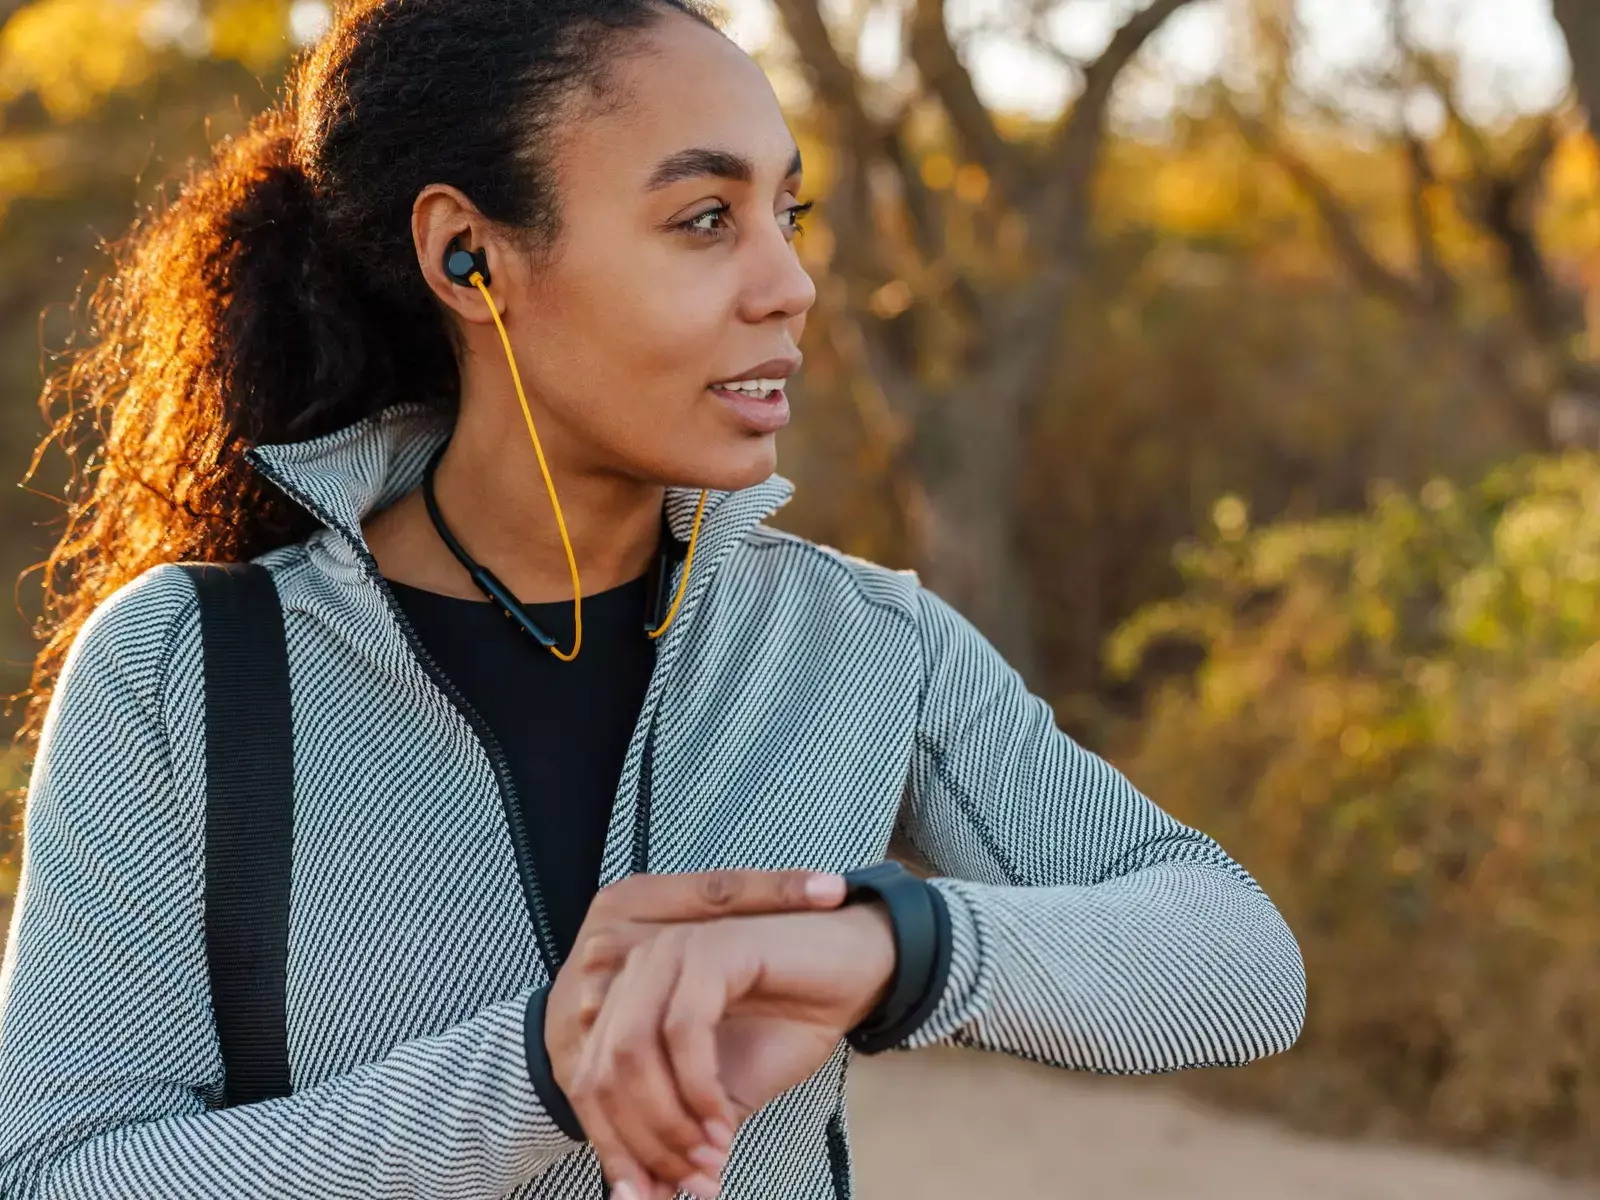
<point x="802" y="704"/>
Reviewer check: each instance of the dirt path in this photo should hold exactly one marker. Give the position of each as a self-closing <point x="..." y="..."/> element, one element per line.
<point x="938" y="1125"/>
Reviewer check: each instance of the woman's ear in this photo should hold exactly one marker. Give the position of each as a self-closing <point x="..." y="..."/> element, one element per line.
<point x="452" y="239"/>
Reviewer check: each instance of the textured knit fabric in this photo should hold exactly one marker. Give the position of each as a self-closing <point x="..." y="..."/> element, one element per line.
<point x="802" y="704"/>
<point x="564" y="727"/>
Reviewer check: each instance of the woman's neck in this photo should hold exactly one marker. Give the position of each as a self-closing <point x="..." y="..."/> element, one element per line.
<point x="493" y="498"/>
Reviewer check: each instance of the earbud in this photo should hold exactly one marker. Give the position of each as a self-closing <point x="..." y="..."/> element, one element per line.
<point x="459" y="264"/>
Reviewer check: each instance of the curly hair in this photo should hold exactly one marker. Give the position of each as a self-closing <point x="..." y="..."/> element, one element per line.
<point x="277" y="296"/>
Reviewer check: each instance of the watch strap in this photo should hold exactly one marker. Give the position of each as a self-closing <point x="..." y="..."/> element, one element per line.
<point x="915" y="910"/>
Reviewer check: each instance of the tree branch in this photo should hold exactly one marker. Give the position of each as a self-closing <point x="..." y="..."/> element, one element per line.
<point x="869" y="258"/>
<point x="1442" y="80"/>
<point x="1504" y="204"/>
<point x="1021" y="328"/>
<point x="1502" y="211"/>
<point x="1037" y="36"/>
<point x="851" y="216"/>
<point x="831" y="77"/>
<point x="947" y="78"/>
<point x="10" y="8"/>
<point x="1343" y="230"/>
<point x="1438" y="285"/>
<point x="925" y="214"/>
<point x="1062" y="213"/>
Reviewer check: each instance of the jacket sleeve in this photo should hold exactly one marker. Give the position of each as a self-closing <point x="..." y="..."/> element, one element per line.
<point x="1088" y="927"/>
<point x="108" y="1050"/>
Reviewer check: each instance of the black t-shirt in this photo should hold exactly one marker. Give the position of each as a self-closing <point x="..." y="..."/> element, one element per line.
<point x="564" y="726"/>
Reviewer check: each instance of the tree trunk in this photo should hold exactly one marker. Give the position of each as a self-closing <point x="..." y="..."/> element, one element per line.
<point x="1580" y="24"/>
<point x="968" y="453"/>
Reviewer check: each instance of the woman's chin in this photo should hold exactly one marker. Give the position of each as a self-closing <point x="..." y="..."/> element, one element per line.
<point x="738" y="467"/>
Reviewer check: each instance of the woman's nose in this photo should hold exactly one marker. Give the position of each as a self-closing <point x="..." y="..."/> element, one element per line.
<point x="778" y="285"/>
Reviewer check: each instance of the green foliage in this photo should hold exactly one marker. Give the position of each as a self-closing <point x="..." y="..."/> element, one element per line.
<point x="1397" y="725"/>
<point x="1198" y="370"/>
<point x="75" y="54"/>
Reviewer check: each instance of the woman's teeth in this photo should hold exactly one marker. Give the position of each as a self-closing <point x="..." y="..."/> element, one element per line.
<point x="753" y="387"/>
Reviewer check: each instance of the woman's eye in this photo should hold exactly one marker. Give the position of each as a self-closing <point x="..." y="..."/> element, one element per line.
<point x="709" y="223"/>
<point x="794" y="217"/>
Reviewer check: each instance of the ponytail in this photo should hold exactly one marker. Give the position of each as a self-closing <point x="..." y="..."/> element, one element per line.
<point x="277" y="297"/>
<point x="227" y="321"/>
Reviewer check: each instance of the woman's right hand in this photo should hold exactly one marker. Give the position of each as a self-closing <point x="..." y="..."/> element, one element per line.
<point x="627" y="913"/>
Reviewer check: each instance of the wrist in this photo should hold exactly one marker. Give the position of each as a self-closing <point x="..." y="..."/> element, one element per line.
<point x="920" y="931"/>
<point x="872" y="949"/>
<point x="541" y="1066"/>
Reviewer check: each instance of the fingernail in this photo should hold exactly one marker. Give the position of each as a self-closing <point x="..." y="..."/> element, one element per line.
<point x="708" y="1157"/>
<point x="702" y="1187"/>
<point x="825" y="889"/>
<point x="624" y="1191"/>
<point x="719" y="1135"/>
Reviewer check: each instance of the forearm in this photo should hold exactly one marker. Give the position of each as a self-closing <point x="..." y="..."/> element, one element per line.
<point x="1179" y="964"/>
<point x="1089" y="927"/>
<point x="450" y="1115"/>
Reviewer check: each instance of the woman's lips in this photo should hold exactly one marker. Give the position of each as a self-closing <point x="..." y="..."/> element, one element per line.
<point x="762" y="414"/>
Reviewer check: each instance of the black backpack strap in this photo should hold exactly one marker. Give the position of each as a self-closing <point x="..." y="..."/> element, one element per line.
<point x="249" y="823"/>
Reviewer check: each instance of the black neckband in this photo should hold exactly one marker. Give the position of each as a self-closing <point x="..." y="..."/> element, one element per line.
<point x="671" y="551"/>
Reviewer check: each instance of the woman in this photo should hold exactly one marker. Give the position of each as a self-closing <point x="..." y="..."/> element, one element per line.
<point x="536" y="260"/>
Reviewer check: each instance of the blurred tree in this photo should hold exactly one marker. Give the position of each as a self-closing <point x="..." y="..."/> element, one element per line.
<point x="1534" y="343"/>
<point x="1580" y="25"/>
<point x="955" y="273"/>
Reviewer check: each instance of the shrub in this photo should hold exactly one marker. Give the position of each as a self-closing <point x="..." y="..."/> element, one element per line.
<point x="1396" y="727"/>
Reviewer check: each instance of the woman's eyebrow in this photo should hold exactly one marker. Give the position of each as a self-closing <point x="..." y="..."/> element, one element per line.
<point x="703" y="161"/>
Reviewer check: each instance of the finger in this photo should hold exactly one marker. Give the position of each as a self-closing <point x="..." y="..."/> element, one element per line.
<point x="702" y="895"/>
<point x="618" y="1165"/>
<point x="625" y="913"/>
<point x="630" y="1179"/>
<point x="626" y="1176"/>
<point x="626" y="1073"/>
<point x="575" y="1003"/>
<point x="657" y="1113"/>
<point x="695" y="1008"/>
<point x="596" y="960"/>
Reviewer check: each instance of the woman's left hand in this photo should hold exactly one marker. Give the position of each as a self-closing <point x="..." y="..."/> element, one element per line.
<point x="712" y="1020"/>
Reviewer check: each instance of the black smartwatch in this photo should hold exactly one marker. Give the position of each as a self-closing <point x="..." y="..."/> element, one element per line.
<point x="921" y="926"/>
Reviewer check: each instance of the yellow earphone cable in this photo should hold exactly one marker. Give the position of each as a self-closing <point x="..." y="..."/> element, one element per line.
<point x="476" y="279"/>
<point x="688" y="562"/>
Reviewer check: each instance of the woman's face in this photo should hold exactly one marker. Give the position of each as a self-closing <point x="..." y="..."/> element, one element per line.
<point x="674" y="273"/>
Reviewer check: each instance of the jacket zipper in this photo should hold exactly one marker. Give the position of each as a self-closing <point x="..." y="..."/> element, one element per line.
<point x="526" y="874"/>
<point x="642" y="797"/>
<point x="641" y="808"/>
<point x="838" y="1158"/>
<point x="838" y="1153"/>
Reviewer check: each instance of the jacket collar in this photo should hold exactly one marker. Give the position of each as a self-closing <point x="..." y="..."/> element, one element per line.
<point x="343" y="476"/>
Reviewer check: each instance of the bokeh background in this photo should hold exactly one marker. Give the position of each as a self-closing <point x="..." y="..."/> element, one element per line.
<point x="1235" y="364"/>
